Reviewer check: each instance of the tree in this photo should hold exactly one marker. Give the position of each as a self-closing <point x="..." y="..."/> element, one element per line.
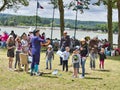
<point x="55" y="5"/>
<point x="109" y="4"/>
<point x="8" y="4"/>
<point x="61" y="10"/>
<point x="118" y="6"/>
<point x="78" y="5"/>
<point x="59" y="4"/>
<point x="109" y="18"/>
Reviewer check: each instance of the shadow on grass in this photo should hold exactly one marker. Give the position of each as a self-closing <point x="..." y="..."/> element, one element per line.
<point x="116" y="58"/>
<point x="94" y="78"/>
<point x="80" y="73"/>
<point x="102" y="70"/>
<point x="48" y="74"/>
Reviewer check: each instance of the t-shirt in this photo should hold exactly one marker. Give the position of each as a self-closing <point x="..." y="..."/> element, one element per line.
<point x="66" y="55"/>
<point x="50" y="54"/>
<point x="76" y="58"/>
<point x="25" y="47"/>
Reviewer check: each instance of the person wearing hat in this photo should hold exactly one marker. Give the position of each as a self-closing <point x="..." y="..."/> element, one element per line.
<point x="30" y="35"/>
<point x="83" y="54"/>
<point x="64" y="42"/>
<point x="36" y="47"/>
<point x="49" y="56"/>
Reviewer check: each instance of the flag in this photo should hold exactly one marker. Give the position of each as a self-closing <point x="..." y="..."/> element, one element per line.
<point x="39" y="6"/>
<point x="79" y="3"/>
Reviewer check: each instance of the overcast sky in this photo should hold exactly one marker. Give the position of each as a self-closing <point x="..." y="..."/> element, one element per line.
<point x="94" y="14"/>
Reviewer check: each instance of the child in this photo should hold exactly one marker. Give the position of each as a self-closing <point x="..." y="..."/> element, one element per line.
<point x="18" y="51"/>
<point x="76" y="62"/>
<point x="66" y="55"/>
<point x="49" y="56"/>
<point x="102" y="57"/>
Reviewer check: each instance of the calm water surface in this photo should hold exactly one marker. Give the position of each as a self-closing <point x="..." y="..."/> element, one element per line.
<point x="56" y="32"/>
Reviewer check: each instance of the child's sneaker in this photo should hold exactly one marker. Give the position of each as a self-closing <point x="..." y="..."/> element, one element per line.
<point x="38" y="74"/>
<point x="15" y="69"/>
<point x="11" y="69"/>
<point x="81" y="76"/>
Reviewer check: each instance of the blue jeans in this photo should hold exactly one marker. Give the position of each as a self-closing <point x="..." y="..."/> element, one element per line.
<point x="50" y="63"/>
<point x="3" y="44"/>
<point x="83" y="60"/>
<point x="93" y="56"/>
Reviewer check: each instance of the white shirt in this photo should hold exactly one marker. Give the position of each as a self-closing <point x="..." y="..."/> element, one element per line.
<point x="66" y="55"/>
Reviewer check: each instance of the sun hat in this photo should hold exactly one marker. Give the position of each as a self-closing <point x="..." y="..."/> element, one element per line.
<point x="82" y="39"/>
<point x="77" y="47"/>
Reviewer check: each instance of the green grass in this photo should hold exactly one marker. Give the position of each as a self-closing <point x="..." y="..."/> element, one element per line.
<point x="108" y="79"/>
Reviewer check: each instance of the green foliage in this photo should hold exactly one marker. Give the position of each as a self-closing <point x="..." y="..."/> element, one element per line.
<point x="54" y="3"/>
<point x="79" y="5"/>
<point x="13" y="4"/>
<point x="12" y="20"/>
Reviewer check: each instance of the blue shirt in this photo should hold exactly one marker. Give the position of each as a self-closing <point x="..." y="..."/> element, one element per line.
<point x="36" y="44"/>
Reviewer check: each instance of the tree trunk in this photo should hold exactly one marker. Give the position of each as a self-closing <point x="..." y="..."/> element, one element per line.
<point x="3" y="6"/>
<point x="110" y="32"/>
<point x="118" y="5"/>
<point x="61" y="10"/>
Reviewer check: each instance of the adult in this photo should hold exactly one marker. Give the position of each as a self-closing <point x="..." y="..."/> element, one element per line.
<point x="13" y="34"/>
<point x="25" y="44"/>
<point x="36" y="47"/>
<point x="30" y="34"/>
<point x="4" y="38"/>
<point x="83" y="54"/>
<point x="43" y="35"/>
<point x="93" y="49"/>
<point x="10" y="50"/>
<point x="55" y="44"/>
<point x="64" y="42"/>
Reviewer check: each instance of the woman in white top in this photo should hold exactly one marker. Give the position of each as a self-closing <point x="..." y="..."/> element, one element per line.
<point x="25" y="44"/>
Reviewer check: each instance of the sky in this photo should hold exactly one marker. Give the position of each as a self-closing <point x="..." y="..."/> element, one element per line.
<point x="96" y="13"/>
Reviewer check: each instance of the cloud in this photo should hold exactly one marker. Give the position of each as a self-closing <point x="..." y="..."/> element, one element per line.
<point x="96" y="13"/>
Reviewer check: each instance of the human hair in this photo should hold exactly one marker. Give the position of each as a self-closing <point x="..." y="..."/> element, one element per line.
<point x="23" y="35"/>
<point x="10" y="40"/>
<point x="18" y="38"/>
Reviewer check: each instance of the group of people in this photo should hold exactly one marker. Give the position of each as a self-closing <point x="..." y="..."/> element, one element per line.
<point x="87" y="47"/>
<point x="31" y="45"/>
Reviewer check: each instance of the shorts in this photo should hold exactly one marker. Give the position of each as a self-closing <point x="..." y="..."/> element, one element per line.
<point x="10" y="53"/>
<point x="76" y="65"/>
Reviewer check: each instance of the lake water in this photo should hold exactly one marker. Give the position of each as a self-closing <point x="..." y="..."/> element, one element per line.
<point x="56" y="33"/>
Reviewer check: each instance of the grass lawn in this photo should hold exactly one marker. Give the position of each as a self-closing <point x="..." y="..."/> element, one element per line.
<point x="108" y="79"/>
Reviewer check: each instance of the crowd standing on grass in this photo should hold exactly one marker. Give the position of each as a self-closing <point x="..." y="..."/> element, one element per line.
<point x="31" y="44"/>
